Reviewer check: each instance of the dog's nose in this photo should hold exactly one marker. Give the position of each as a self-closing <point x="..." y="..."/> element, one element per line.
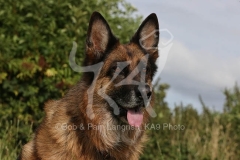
<point x="144" y="90"/>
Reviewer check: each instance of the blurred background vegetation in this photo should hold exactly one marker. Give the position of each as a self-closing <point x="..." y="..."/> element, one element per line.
<point x="35" y="40"/>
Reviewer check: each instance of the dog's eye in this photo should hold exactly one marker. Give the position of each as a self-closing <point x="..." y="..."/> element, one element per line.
<point x="116" y="69"/>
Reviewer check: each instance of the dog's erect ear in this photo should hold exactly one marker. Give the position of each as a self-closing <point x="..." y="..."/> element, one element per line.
<point x="99" y="37"/>
<point x="147" y="35"/>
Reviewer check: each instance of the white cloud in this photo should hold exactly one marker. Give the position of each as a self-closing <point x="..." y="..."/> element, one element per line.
<point x="202" y="66"/>
<point x="191" y="72"/>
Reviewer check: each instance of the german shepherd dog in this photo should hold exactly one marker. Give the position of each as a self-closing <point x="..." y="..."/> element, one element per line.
<point x="105" y="121"/>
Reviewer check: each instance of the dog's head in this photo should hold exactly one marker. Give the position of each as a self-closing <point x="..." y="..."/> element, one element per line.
<point x="125" y="71"/>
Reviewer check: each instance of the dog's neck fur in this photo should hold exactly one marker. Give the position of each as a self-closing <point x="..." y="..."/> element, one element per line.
<point x="91" y="144"/>
<point x="107" y="143"/>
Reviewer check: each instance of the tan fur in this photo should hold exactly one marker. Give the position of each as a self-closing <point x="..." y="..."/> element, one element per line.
<point x="99" y="36"/>
<point x="51" y="143"/>
<point x="65" y="134"/>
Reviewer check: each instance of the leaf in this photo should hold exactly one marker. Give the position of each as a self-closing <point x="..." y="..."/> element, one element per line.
<point x="50" y="72"/>
<point x="3" y="76"/>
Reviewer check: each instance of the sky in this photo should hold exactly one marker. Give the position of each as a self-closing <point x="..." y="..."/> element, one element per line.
<point x="199" y="48"/>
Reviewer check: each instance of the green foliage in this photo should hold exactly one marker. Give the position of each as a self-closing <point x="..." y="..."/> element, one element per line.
<point x="36" y="38"/>
<point x="207" y="135"/>
<point x="232" y="113"/>
<point x="8" y="145"/>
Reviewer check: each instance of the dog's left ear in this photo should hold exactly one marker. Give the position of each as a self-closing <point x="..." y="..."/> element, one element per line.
<point x="147" y="35"/>
<point x="99" y="38"/>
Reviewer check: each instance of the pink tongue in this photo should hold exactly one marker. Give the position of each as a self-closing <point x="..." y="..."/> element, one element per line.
<point x="135" y="118"/>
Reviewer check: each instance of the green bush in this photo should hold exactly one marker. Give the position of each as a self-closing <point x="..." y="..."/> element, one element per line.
<point x="208" y="135"/>
<point x="36" y="38"/>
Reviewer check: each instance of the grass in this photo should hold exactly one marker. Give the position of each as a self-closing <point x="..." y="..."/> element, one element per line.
<point x="10" y="142"/>
<point x="206" y="139"/>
